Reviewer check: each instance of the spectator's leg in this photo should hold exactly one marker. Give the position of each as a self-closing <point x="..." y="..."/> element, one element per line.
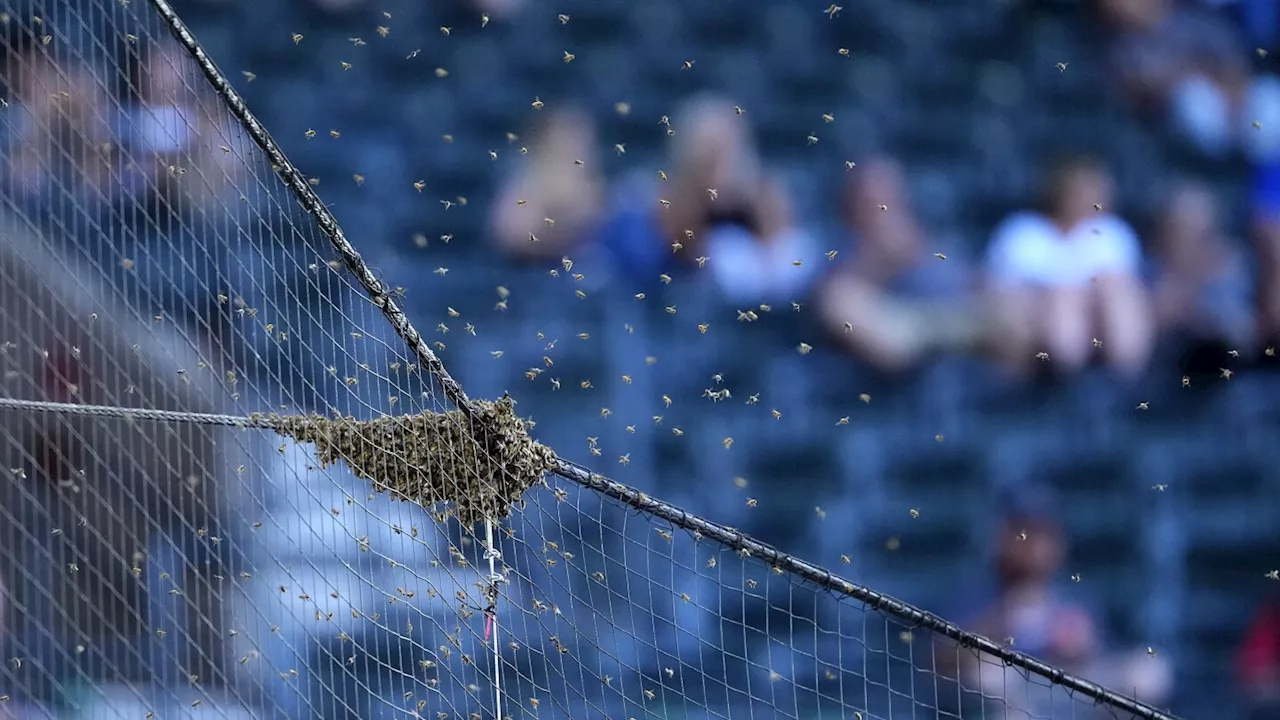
<point x="1065" y="329"/>
<point x="1015" y="337"/>
<point x="1126" y="326"/>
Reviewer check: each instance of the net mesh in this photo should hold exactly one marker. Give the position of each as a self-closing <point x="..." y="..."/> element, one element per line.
<point x="156" y="251"/>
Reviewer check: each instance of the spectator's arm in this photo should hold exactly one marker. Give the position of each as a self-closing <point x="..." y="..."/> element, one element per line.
<point x="775" y="214"/>
<point x="878" y="330"/>
<point x="1127" y="321"/>
<point x="513" y="224"/>
<point x="1011" y="292"/>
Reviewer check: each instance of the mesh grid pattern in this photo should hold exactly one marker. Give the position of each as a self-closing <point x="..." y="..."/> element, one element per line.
<point x="153" y="254"/>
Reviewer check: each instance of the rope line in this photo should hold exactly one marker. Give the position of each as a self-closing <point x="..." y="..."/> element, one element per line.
<point x="127" y="413"/>
<point x="572" y="472"/>
<point x="491" y="614"/>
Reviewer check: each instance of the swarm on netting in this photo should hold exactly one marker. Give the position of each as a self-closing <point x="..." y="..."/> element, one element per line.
<point x="480" y="466"/>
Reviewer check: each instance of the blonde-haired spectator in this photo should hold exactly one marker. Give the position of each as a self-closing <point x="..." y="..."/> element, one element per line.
<point x="726" y="205"/>
<point x="554" y="202"/>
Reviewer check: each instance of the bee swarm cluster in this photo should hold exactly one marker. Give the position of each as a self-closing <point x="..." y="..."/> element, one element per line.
<point x="481" y="467"/>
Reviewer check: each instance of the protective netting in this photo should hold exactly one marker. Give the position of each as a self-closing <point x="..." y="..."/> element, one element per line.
<point x="157" y="253"/>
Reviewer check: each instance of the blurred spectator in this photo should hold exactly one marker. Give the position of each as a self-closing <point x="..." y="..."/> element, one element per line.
<point x="1031" y="610"/>
<point x="903" y="293"/>
<point x="54" y="128"/>
<point x="1066" y="278"/>
<point x="1202" y="293"/>
<point x="553" y="203"/>
<point x="716" y="202"/>
<point x="176" y="143"/>
<point x="726" y="205"/>
<point x="1258" y="661"/>
<point x="1190" y="63"/>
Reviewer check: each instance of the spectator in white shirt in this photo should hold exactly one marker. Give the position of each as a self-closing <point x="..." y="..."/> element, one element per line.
<point x="1067" y="278"/>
